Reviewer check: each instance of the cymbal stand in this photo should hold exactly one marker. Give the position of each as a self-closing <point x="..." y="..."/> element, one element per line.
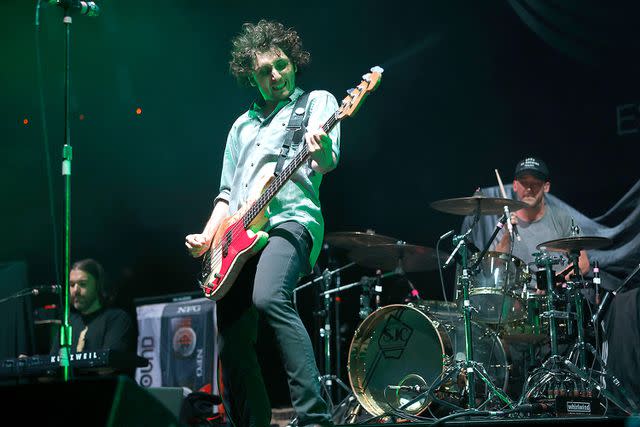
<point x="318" y="279"/>
<point x="558" y="375"/>
<point x="573" y="287"/>
<point x="327" y="380"/>
<point x="467" y="367"/>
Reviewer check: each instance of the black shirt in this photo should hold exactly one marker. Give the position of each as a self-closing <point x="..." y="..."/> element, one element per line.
<point x="107" y="328"/>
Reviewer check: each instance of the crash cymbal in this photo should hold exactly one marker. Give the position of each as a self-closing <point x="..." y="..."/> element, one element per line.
<point x="477" y="204"/>
<point x="576" y="243"/>
<point x="350" y="240"/>
<point x="410" y="258"/>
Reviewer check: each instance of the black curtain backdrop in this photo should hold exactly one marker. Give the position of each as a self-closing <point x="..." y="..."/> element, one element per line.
<point x="468" y="87"/>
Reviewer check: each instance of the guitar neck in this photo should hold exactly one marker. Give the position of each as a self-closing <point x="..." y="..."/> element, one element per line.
<point x="277" y="183"/>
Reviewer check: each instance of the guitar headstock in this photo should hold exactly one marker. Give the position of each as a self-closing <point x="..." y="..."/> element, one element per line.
<point x="356" y="96"/>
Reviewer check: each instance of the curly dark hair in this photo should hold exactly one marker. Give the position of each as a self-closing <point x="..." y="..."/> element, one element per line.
<point x="264" y="37"/>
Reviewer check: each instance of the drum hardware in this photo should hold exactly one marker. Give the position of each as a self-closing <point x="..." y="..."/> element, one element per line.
<point x="475" y="205"/>
<point x="463" y="367"/>
<point x="469" y="366"/>
<point x="328" y="379"/>
<point x="371" y="287"/>
<point x="350" y="240"/>
<point x="496" y="290"/>
<point x="320" y="278"/>
<point x="558" y="375"/>
<point x="400" y="350"/>
<point x="399" y="256"/>
<point x="606" y="300"/>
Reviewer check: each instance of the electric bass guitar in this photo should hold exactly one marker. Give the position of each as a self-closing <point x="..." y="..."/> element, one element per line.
<point x="240" y="236"/>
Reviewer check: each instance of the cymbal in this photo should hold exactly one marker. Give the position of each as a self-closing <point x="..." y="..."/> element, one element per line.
<point x="477" y="204"/>
<point x="576" y="243"/>
<point x="350" y="240"/>
<point x="410" y="258"/>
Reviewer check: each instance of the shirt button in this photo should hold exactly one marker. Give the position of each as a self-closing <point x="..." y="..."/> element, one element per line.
<point x="251" y="164"/>
<point x="258" y="144"/>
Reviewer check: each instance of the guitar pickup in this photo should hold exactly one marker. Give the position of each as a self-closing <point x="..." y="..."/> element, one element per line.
<point x="217" y="275"/>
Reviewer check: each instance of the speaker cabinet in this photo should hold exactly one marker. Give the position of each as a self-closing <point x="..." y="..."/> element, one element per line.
<point x="113" y="401"/>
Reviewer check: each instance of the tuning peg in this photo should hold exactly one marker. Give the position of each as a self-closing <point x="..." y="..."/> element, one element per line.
<point x="350" y="91"/>
<point x="367" y="77"/>
<point x="377" y="69"/>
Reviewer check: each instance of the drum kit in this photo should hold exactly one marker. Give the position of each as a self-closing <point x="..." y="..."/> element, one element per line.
<point x="409" y="360"/>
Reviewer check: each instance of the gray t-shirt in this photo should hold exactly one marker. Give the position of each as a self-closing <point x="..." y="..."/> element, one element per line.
<point x="555" y="224"/>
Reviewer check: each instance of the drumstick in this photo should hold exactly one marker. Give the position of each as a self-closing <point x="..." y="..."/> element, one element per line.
<point x="504" y="196"/>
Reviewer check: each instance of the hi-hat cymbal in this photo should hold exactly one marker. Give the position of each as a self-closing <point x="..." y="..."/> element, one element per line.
<point x="477" y="204"/>
<point x="576" y="243"/>
<point x="350" y="240"/>
<point x="410" y="258"/>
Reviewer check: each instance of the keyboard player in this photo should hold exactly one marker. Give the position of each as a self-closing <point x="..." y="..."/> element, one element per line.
<point x="96" y="324"/>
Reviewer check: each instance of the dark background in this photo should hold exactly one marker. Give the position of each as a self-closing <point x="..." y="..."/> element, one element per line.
<point x="468" y="87"/>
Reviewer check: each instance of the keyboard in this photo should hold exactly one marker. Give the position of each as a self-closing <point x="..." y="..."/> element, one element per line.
<point x="41" y="365"/>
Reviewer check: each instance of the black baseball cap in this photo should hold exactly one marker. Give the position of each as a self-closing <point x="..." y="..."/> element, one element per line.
<point x="532" y="166"/>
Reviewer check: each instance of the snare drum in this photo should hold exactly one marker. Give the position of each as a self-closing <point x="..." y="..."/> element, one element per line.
<point x="496" y="286"/>
<point x="400" y="345"/>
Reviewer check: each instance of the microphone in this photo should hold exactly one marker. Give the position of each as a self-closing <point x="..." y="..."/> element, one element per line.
<point x="513" y="228"/>
<point x="447" y="234"/>
<point x="413" y="388"/>
<point x="82" y="7"/>
<point x="448" y="261"/>
<point x="54" y="289"/>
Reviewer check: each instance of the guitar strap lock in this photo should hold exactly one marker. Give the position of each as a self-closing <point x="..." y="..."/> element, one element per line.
<point x="295" y="130"/>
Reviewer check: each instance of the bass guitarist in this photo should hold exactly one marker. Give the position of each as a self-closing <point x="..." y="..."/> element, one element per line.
<point x="268" y="57"/>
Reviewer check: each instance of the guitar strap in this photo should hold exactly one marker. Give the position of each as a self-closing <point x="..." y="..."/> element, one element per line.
<point x="295" y="130"/>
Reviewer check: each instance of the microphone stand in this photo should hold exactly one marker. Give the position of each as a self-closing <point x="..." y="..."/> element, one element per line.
<point x="65" y="326"/>
<point x="500" y="224"/>
<point x="88" y="8"/>
<point x="606" y="300"/>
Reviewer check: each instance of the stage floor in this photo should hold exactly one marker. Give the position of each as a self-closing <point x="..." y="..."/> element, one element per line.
<point x="533" y="421"/>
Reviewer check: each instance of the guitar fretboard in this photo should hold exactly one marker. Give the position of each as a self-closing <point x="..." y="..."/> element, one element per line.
<point x="275" y="185"/>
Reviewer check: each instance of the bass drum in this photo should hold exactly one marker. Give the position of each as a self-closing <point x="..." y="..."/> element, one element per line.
<point x="400" y="345"/>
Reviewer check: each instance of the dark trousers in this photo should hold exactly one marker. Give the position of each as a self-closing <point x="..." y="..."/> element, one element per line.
<point x="264" y="289"/>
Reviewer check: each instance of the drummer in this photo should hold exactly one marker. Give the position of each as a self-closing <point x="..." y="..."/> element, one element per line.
<point x="539" y="222"/>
